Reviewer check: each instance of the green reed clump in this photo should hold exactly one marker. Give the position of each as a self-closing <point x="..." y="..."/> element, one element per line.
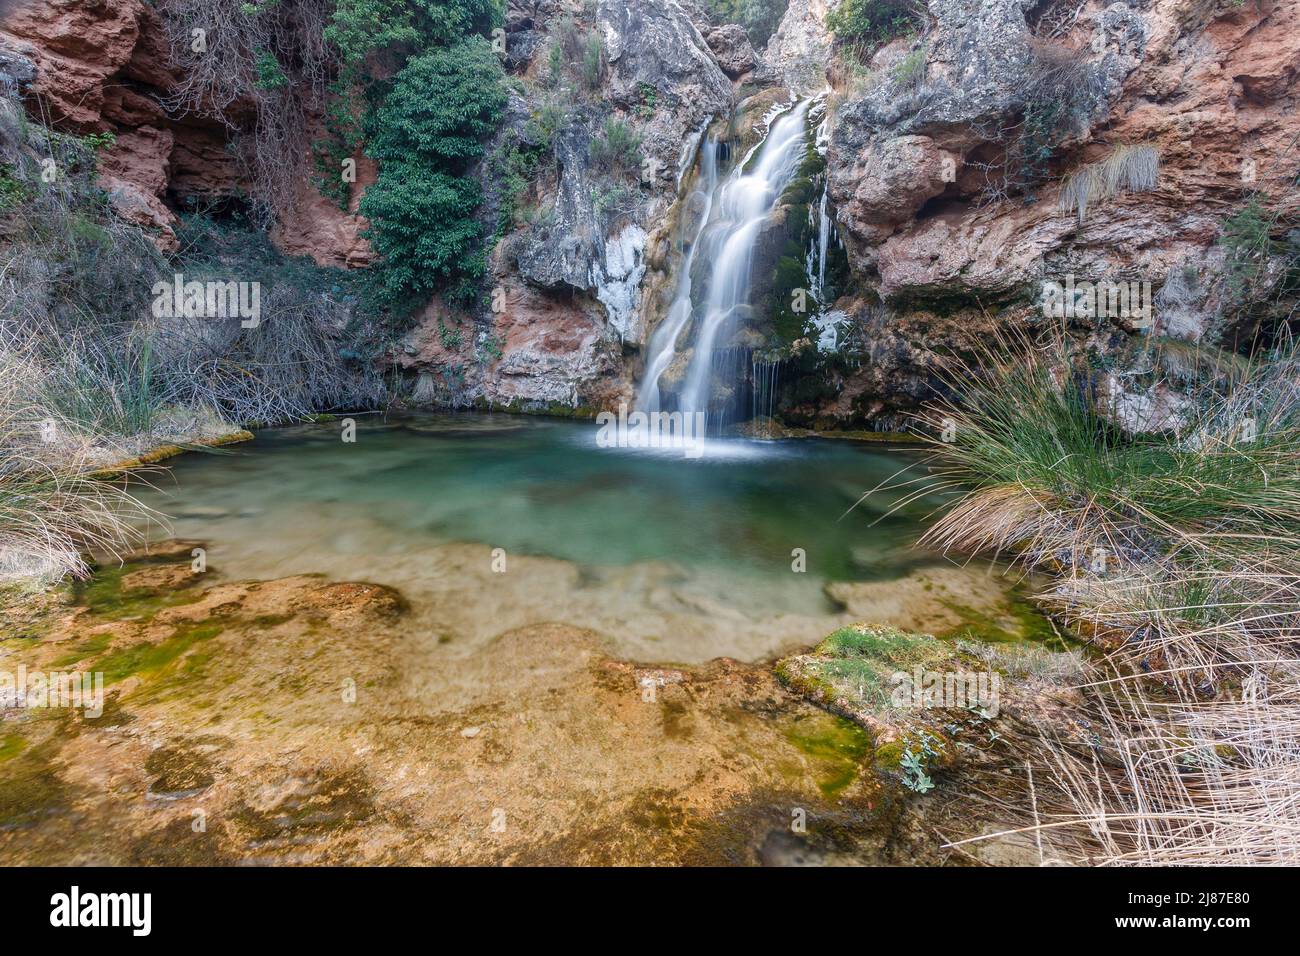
<point x="1179" y="552"/>
<point x="1049" y="472"/>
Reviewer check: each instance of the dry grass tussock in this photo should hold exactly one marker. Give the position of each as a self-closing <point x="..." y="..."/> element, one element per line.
<point x="52" y="513"/>
<point x="1180" y="554"/>
<point x="91" y="374"/>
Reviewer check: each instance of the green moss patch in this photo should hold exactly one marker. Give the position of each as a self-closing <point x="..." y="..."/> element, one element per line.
<point x="1019" y="621"/>
<point x="150" y="659"/>
<point x="835" y="747"/>
<point x="105" y="597"/>
<point x="11" y="745"/>
<point x="856" y="664"/>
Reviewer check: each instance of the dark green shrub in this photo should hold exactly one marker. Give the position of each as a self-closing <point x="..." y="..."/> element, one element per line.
<point x="441" y="106"/>
<point x="270" y="75"/>
<point x="422" y="224"/>
<point x="429" y="129"/>
<point x="359" y="27"/>
<point x="872" y="22"/>
<point x="617" y="148"/>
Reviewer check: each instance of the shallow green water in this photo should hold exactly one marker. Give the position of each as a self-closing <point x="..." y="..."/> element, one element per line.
<point x="640" y="540"/>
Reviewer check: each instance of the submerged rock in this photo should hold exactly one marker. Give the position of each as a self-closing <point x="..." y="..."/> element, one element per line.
<point x="300" y="721"/>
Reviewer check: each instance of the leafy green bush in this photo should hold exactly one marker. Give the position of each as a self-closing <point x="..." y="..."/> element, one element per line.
<point x="429" y="129"/>
<point x="359" y="27"/>
<point x="12" y="191"/>
<point x="441" y="106"/>
<point x="422" y="224"/>
<point x="871" y="22"/>
<point x="270" y="75"/>
<point x="760" y="18"/>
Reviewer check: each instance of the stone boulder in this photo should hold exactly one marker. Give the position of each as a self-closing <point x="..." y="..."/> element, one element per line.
<point x="891" y="179"/>
<point x="799" y="52"/>
<point x="730" y="44"/>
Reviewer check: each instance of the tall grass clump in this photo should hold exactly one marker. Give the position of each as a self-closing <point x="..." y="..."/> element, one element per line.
<point x="1128" y="169"/>
<point x="52" y="512"/>
<point x="1178" y="554"/>
<point x="92" y="375"/>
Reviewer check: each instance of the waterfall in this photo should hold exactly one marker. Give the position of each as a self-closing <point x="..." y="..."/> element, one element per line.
<point x="762" y="399"/>
<point x="663" y="343"/>
<point x="732" y="218"/>
<point x="817" y="254"/>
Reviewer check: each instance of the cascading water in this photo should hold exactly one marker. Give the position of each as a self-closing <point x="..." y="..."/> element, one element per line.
<point x="663" y="343"/>
<point x="732" y="217"/>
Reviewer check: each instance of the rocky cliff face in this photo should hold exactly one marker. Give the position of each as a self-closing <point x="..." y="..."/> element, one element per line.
<point x="947" y="221"/>
<point x="952" y="163"/>
<point x="575" y="290"/>
<point x="105" y="66"/>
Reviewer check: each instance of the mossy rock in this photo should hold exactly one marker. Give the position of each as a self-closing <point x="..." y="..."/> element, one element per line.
<point x="852" y="670"/>
<point x="163" y="452"/>
<point x="867" y="673"/>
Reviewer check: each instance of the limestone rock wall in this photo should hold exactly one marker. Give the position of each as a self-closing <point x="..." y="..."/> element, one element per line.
<point x="946" y="231"/>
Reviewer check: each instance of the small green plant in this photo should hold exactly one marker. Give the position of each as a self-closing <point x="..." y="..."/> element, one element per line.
<point x="100" y="141"/>
<point x="576" y="53"/>
<point x="550" y="116"/>
<point x="450" y="338"/>
<point x="611" y="199"/>
<point x="1247" y="240"/>
<point x="649" y="98"/>
<point x="493" y="347"/>
<point x="107" y="393"/>
<point x="915" y="776"/>
<point x="13" y="193"/>
<point x="344" y="138"/>
<point x="593" y="61"/>
<point x="617" y="149"/>
<point x="515" y="168"/>
<point x="910" y="71"/>
<point x="270" y="74"/>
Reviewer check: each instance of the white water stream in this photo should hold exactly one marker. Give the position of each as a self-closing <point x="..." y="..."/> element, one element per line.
<point x="731" y="219"/>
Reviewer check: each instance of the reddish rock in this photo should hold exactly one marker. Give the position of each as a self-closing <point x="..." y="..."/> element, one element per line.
<point x="141" y="156"/>
<point x="134" y="173"/>
<point x="124" y="106"/>
<point x="77" y="45"/>
<point x="316" y="226"/>
<point x="201" y="165"/>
